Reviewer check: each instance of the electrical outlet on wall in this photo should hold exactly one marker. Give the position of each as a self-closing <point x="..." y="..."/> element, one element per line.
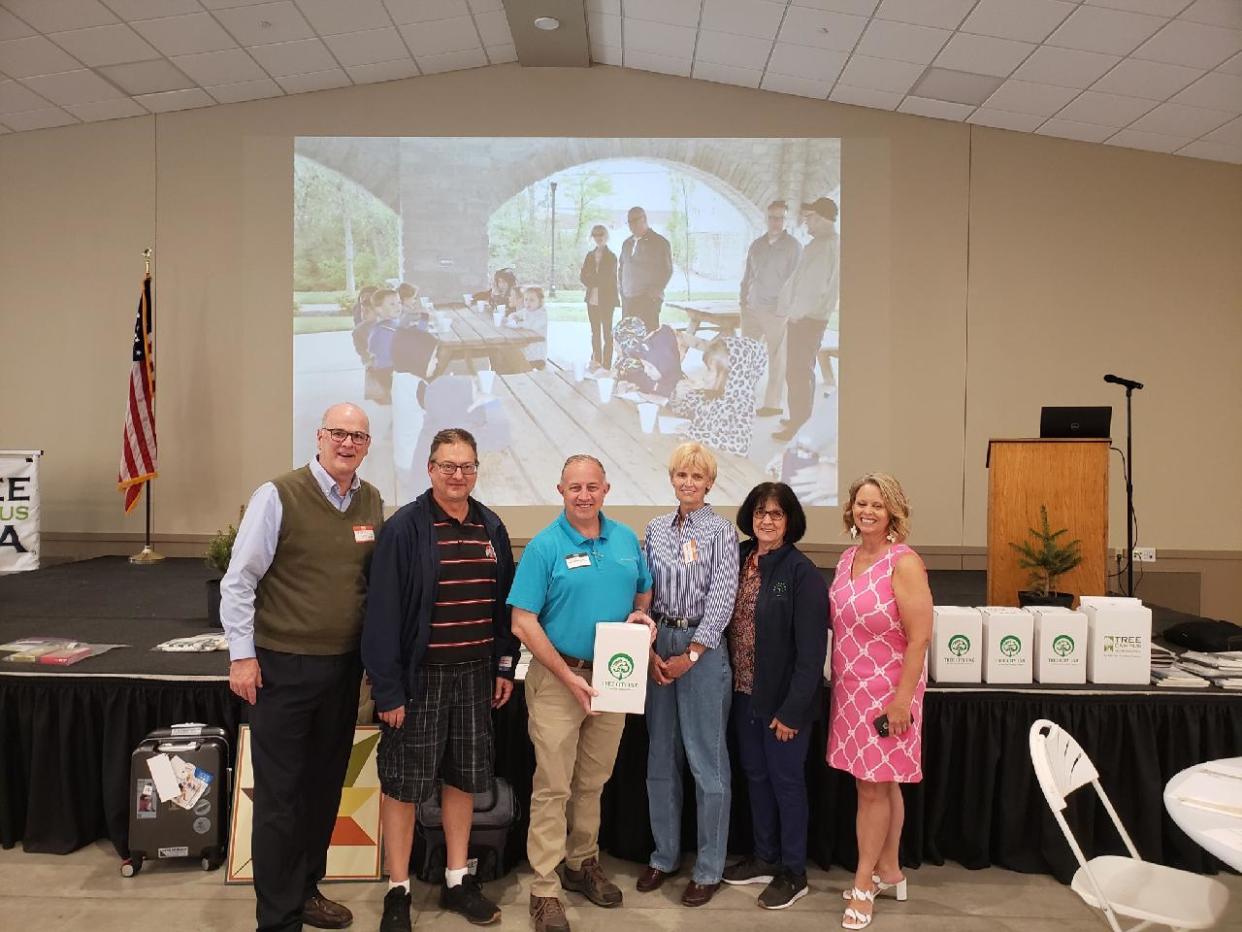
<point x="1144" y="554"/>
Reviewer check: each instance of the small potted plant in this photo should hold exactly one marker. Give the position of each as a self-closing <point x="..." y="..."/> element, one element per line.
<point x="219" y="552"/>
<point x="1048" y="559"/>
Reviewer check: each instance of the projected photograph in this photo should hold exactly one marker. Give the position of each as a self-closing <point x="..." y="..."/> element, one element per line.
<point x="561" y="296"/>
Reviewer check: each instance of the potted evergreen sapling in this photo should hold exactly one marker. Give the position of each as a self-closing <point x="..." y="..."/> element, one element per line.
<point x="219" y="553"/>
<point x="1048" y="559"/>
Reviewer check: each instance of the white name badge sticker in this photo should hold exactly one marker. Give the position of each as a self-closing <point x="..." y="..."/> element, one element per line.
<point x="363" y="533"/>
<point x="575" y="560"/>
<point x="689" y="551"/>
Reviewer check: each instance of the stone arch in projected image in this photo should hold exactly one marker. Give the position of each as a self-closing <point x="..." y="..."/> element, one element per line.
<point x="446" y="189"/>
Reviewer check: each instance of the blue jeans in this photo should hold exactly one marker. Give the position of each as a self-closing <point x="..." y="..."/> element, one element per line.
<point x="686" y="720"/>
<point x="776" y="775"/>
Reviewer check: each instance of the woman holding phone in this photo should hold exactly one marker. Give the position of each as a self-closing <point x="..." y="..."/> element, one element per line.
<point x="881" y="620"/>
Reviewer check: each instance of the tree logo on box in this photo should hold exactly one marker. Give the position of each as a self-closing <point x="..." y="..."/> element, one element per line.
<point x="621" y="666"/>
<point x="959" y="645"/>
<point x="1062" y="645"/>
<point x="1011" y="645"/>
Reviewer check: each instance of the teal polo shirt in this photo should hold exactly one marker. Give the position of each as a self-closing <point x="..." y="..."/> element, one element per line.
<point x="573" y="582"/>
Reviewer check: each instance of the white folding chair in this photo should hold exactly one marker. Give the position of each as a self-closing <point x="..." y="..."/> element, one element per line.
<point x="1116" y="885"/>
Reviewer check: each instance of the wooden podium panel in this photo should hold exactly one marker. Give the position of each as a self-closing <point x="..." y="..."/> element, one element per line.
<point x="1070" y="477"/>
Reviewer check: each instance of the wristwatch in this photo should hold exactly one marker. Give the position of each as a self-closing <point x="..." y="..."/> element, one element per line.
<point x="692" y="655"/>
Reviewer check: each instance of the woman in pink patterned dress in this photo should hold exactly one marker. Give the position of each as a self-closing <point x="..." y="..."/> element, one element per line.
<point x="881" y="617"/>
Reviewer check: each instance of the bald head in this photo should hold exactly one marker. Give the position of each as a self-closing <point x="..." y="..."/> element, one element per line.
<point x="345" y="409"/>
<point x="343" y="441"/>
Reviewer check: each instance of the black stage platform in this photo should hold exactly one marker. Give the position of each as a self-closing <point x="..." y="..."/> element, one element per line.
<point x="67" y="733"/>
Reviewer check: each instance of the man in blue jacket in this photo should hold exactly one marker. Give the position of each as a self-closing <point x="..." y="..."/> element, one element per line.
<point x="438" y="647"/>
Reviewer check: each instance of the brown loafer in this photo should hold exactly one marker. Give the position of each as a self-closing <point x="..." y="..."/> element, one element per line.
<point x="699" y="894"/>
<point x="322" y="913"/>
<point x="652" y="879"/>
<point x="591" y="881"/>
<point x="548" y="914"/>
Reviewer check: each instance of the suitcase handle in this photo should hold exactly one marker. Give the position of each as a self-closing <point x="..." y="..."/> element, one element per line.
<point x="166" y="746"/>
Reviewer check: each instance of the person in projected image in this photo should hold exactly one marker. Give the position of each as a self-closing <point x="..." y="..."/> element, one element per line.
<point x="721" y="402"/>
<point x="599" y="278"/>
<point x="770" y="261"/>
<point x="650" y="362"/>
<point x="504" y="281"/>
<point x="531" y="314"/>
<point x="643" y="270"/>
<point x="362" y="303"/>
<point x="387" y="304"/>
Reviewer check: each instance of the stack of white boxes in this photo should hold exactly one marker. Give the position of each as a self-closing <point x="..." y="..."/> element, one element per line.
<point x="957" y="645"/>
<point x="1118" y="640"/>
<point x="1060" y="645"/>
<point x="1007" y="644"/>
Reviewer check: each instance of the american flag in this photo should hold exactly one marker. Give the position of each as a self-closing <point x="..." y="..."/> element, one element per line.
<point x="138" y="453"/>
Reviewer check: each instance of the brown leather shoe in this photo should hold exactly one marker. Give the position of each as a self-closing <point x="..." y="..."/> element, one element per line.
<point x="591" y="881"/>
<point x="698" y="894"/>
<point x="322" y="913"/>
<point x="652" y="879"/>
<point x="548" y="914"/>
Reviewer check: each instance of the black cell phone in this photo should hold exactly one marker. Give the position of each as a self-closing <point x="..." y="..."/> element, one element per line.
<point x="881" y="726"/>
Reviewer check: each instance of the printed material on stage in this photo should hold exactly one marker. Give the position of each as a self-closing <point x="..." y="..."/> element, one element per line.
<point x="957" y="645"/>
<point x="1007" y="644"/>
<point x="61" y="652"/>
<point x="1060" y="644"/>
<point x="19" y="510"/>
<point x="197" y="644"/>
<point x="619" y="672"/>
<point x="1223" y="668"/>
<point x="1176" y="678"/>
<point x="1118" y="640"/>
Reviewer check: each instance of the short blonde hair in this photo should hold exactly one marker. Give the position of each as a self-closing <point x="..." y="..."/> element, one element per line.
<point x="691" y="454"/>
<point x="895" y="502"/>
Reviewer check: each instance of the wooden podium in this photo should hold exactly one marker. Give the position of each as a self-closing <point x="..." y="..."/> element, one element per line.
<point x="1070" y="477"/>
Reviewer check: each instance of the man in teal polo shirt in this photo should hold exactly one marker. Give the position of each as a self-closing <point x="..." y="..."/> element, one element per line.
<point x="580" y="570"/>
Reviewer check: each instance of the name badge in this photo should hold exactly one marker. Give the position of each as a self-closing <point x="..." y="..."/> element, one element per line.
<point x="490" y="552"/>
<point x="689" y="551"/>
<point x="363" y="533"/>
<point x="575" y="560"/>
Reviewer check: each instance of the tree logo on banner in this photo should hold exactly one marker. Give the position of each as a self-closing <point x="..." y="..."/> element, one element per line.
<point x="1011" y="645"/>
<point x="621" y="666"/>
<point x="1062" y="645"/>
<point x="959" y="645"/>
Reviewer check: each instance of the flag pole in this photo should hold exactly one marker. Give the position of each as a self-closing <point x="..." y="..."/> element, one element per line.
<point x="148" y="554"/>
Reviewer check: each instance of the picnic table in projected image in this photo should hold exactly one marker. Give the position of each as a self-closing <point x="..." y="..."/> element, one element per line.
<point x="722" y="316"/>
<point x="472" y="335"/>
<point x="551" y="416"/>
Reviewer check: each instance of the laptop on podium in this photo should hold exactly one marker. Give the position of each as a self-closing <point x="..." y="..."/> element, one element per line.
<point x="1061" y="423"/>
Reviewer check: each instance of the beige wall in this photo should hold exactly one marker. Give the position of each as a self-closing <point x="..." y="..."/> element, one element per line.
<point x="985" y="273"/>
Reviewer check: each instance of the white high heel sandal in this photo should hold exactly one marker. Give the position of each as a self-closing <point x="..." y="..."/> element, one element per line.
<point x="853" y="919"/>
<point x="898" y="888"/>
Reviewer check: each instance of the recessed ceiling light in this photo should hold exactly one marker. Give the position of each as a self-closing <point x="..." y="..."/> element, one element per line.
<point x="547" y="23"/>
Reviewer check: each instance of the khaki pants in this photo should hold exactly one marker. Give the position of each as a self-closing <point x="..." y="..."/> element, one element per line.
<point x="768" y="327"/>
<point x="574" y="755"/>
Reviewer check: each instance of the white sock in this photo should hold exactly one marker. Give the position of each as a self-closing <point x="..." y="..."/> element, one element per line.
<point x="454" y="876"/>
<point x="403" y="884"/>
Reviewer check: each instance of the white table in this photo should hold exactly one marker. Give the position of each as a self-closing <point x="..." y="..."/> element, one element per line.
<point x="1195" y="822"/>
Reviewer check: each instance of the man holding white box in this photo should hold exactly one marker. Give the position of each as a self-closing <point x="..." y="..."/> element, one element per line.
<point x="580" y="570"/>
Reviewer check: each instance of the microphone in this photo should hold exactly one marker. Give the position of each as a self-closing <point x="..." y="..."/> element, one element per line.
<point x="1118" y="380"/>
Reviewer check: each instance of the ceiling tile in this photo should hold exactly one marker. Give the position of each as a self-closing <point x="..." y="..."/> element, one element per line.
<point x="940" y="109"/>
<point x="1215" y="91"/>
<point x="15" y="97"/>
<point x="726" y="74"/>
<point x="606" y="54"/>
<point x="442" y="35"/>
<point x="856" y="7"/>
<point x="105" y="45"/>
<point x="73" y="87"/>
<point x="799" y="61"/>
<point x="674" y="12"/>
<point x="229" y="4"/>
<point x="13" y="28"/>
<point x="332" y="17"/>
<point x="865" y="97"/>
<point x="494" y="28"/>
<point x="266" y="23"/>
<point x="605" y="28"/>
<point x="1065" y="67"/>
<point x="880" y="74"/>
<point x="59" y="15"/>
<point x="902" y="41"/>
<point x="983" y="54"/>
<point x="1215" y="13"/>
<point x="791" y="84"/>
<point x="959" y="87"/>
<point x="501" y="54"/>
<point x="452" y="61"/>
<point x="1191" y="44"/>
<point x="169" y="101"/>
<point x="1134" y="139"/>
<point x="946" y="14"/>
<point x="152" y="9"/>
<point x="1071" y="129"/>
<point x="422" y="11"/>
<point x="1004" y="119"/>
<point x="1029" y="98"/>
<point x="611" y="7"/>
<point x="1026" y="20"/>
<point x="1115" y="32"/>
<point x="185" y="35"/>
<point x="1232" y="66"/>
<point x="645" y="61"/>
<point x="1180" y="120"/>
<point x="1202" y="149"/>
<point x="1104" y="109"/>
<point x="1230" y="133"/>
<point x="146" y="77"/>
<point x="38" y="119"/>
<point x="1152" y="79"/>
<point x="364" y="48"/>
<point x="822" y="30"/>
<point x="230" y="66"/>
<point x="315" y="81"/>
<point x="106" y="110"/>
<point x="751" y="18"/>
<point x="658" y="39"/>
<point x="1154" y="7"/>
<point x="739" y="51"/>
<point x="306" y="56"/>
<point x="20" y="58"/>
<point x="384" y="71"/>
<point x="245" y="90"/>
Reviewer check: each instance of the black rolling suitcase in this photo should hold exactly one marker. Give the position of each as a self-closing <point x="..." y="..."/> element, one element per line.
<point x="191" y="821"/>
<point x="495" y="814"/>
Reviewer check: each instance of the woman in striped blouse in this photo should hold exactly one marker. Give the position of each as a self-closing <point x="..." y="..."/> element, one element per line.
<point x="693" y="556"/>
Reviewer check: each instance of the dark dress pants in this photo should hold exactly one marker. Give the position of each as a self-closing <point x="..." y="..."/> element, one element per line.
<point x="802" y="346"/>
<point x="601" y="333"/>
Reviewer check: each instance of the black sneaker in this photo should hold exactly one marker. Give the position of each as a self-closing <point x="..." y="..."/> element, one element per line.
<point x="750" y="870"/>
<point x="784" y="890"/>
<point x="467" y="899"/>
<point x="396" y="911"/>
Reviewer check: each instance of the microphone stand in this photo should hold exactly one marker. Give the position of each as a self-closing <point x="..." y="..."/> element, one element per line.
<point x="1129" y="495"/>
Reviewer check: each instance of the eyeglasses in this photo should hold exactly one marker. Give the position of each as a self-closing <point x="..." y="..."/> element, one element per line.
<point x="449" y="469"/>
<point x="338" y="435"/>
<point x="776" y="516"/>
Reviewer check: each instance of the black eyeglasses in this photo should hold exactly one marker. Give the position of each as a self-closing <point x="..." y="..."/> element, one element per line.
<point x="339" y="435"/>
<point x="775" y="515"/>
<point x="449" y="469"/>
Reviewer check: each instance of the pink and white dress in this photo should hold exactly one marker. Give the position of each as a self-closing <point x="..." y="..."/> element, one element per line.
<point x="868" y="645"/>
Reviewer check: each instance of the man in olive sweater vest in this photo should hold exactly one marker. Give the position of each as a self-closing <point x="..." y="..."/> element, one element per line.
<point x="292" y="604"/>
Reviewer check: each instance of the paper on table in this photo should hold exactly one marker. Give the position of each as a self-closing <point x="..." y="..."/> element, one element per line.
<point x="1209" y="791"/>
<point x="165" y="780"/>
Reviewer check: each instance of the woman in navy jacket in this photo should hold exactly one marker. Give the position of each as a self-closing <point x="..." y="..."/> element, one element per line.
<point x="778" y="638"/>
<point x="599" y="278"/>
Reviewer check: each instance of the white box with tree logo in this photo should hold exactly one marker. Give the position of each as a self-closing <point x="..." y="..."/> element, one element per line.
<point x="1008" y="650"/>
<point x="957" y="645"/>
<point x="1060" y="644"/>
<point x="1118" y="641"/>
<point x="619" y="670"/>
